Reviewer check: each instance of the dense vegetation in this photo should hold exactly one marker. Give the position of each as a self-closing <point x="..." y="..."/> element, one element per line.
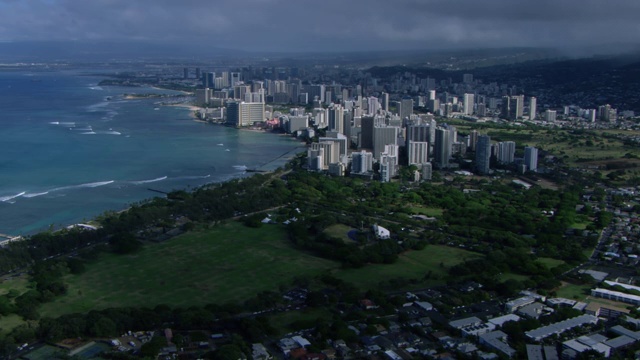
<point x="510" y="225"/>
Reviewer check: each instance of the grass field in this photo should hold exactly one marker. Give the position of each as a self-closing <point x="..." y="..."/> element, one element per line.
<point x="20" y="284"/>
<point x="410" y="265"/>
<point x="10" y="322"/>
<point x="433" y="212"/>
<point x="549" y="262"/>
<point x="228" y="263"/>
<point x="339" y="231"/>
<point x="574" y="292"/>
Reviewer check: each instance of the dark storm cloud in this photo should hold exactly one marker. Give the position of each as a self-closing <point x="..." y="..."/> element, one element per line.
<point x="328" y="24"/>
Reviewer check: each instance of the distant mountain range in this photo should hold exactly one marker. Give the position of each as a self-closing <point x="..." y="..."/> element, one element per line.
<point x="83" y="51"/>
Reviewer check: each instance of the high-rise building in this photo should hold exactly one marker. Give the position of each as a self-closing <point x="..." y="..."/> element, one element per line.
<point x="387" y="168"/>
<point x="607" y="113"/>
<point x="362" y="162"/>
<point x="383" y="135"/>
<point x="339" y="139"/>
<point x="516" y="107"/>
<point x="197" y="73"/>
<point x="550" y="115"/>
<point x="417" y="152"/>
<point x="467" y="78"/>
<point x="385" y="101"/>
<point x="506" y="152"/>
<point x="366" y="133"/>
<point x="239" y="91"/>
<point x="373" y="105"/>
<point x="186" y="73"/>
<point x="297" y="123"/>
<point x="405" y="108"/>
<point x="483" y="154"/>
<point x="235" y="78"/>
<point x="336" y="118"/>
<point x="468" y="104"/>
<point x="442" y="148"/>
<point x="473" y="139"/>
<point x="244" y="113"/>
<point x="531" y="158"/>
<point x="533" y="111"/>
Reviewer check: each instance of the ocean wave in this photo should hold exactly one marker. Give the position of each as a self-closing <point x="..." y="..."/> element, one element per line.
<point x="89" y="133"/>
<point x="88" y="128"/>
<point x="10" y="197"/>
<point x="96" y="88"/>
<point x="55" y="123"/>
<point x="34" y="195"/>
<point x="63" y="123"/>
<point x="97" y="107"/>
<point x="110" y="132"/>
<point x="86" y="185"/>
<point x="149" y="181"/>
<point x="221" y="144"/>
<point x="240" y="167"/>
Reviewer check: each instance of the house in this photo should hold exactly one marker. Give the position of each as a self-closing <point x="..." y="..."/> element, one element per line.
<point x="497" y="340"/>
<point x="259" y="352"/>
<point x="380" y="232"/>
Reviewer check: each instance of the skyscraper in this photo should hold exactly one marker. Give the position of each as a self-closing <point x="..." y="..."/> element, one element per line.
<point x="550" y="115"/>
<point x="383" y="135"/>
<point x="533" y="111"/>
<point x="516" y="107"/>
<point x="244" y="113"/>
<point x="385" y="101"/>
<point x="186" y="73"/>
<point x="531" y="158"/>
<point x="336" y="118"/>
<point x="442" y="148"/>
<point x="362" y="162"/>
<point x="505" y="111"/>
<point x="483" y="154"/>
<point x="366" y="133"/>
<point x="473" y="139"/>
<point x="468" y="104"/>
<point x="405" y="108"/>
<point x="417" y="152"/>
<point x="506" y="152"/>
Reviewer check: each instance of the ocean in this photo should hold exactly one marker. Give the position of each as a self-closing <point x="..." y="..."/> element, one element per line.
<point x="72" y="150"/>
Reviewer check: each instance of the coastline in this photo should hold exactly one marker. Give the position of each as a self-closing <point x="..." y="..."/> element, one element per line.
<point x="91" y="199"/>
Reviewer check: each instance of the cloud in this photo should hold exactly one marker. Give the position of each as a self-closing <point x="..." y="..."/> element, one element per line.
<point x="326" y="25"/>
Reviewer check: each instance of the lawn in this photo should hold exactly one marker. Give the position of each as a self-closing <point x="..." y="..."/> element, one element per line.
<point x="410" y="265"/>
<point x="10" y="322"/>
<point x="339" y="231"/>
<point x="427" y="211"/>
<point x="230" y="262"/>
<point x="20" y="284"/>
<point x="574" y="292"/>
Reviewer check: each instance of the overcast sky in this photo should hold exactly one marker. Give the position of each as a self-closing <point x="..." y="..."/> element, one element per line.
<point x="339" y="25"/>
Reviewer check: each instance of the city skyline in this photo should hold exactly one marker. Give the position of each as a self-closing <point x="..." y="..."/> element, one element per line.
<point x="299" y="26"/>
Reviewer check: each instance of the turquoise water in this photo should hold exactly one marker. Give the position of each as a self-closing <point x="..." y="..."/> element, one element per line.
<point x="72" y="150"/>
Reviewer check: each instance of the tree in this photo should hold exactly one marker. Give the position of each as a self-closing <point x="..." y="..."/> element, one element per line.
<point x="153" y="347"/>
